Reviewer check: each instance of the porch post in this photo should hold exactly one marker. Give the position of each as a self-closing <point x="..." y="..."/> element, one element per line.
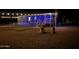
<point x="54" y="22"/>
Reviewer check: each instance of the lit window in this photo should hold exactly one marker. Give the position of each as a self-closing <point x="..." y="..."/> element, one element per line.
<point x="8" y="13"/>
<point x="3" y="13"/>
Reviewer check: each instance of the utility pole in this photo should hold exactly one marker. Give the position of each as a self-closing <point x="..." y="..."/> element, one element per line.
<point x="0" y="15"/>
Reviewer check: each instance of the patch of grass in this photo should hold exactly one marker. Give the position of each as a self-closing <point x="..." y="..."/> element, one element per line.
<point x="19" y="28"/>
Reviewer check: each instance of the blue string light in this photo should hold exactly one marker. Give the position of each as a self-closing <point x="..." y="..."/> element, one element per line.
<point x="33" y="19"/>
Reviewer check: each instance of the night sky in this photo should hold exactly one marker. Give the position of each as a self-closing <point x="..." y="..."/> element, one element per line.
<point x="27" y="10"/>
<point x="68" y="13"/>
<point x="71" y="14"/>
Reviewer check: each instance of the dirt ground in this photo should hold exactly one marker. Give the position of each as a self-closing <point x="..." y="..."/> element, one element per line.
<point x="26" y="38"/>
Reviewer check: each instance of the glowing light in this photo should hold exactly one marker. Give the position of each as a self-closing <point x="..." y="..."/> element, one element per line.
<point x="29" y="18"/>
<point x="8" y="13"/>
<point x="47" y="13"/>
<point x="28" y="14"/>
<point x="32" y="14"/>
<point x="3" y="13"/>
<point x="25" y="14"/>
<point x="12" y="13"/>
<point x="35" y="17"/>
<point x="21" y="14"/>
<point x="56" y="13"/>
<point x="17" y="14"/>
<point x="38" y="14"/>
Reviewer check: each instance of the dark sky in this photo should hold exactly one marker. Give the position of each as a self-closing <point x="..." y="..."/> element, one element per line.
<point x="28" y="10"/>
<point x="68" y="13"/>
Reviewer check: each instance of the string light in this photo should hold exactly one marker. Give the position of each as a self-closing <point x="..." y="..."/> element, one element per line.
<point x="28" y="14"/>
<point x="12" y="13"/>
<point x="8" y="13"/>
<point x="29" y="18"/>
<point x="3" y="13"/>
<point x="21" y="14"/>
<point x="25" y="14"/>
<point x="17" y="14"/>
